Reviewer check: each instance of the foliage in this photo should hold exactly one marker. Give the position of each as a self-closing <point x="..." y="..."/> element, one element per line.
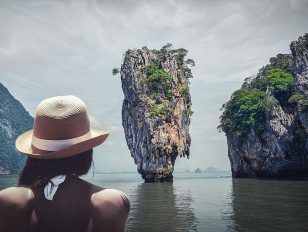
<point x="180" y="55"/>
<point x="304" y="104"/>
<point x="281" y="61"/>
<point x="184" y="91"/>
<point x="159" y="83"/>
<point x="279" y="80"/>
<point x="189" y="111"/>
<point x="296" y="98"/>
<point x="243" y="112"/>
<point x="115" y="71"/>
<point x="168" y="92"/>
<point x="159" y="110"/>
<point x="156" y="74"/>
<point x="190" y="62"/>
<point x="155" y="96"/>
<point x="276" y="80"/>
<point x="187" y="72"/>
<point x="129" y="51"/>
<point x="279" y="69"/>
<point x="167" y="46"/>
<point x="299" y="99"/>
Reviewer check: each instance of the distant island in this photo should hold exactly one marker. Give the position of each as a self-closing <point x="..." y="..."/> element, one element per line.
<point x="156" y="108"/>
<point x="212" y="169"/>
<point x="208" y="170"/>
<point x="266" y="120"/>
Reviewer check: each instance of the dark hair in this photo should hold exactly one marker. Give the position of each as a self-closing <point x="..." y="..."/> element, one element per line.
<point x="37" y="172"/>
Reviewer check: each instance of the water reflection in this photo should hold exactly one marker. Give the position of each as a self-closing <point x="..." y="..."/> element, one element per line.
<point x="156" y="207"/>
<point x="269" y="205"/>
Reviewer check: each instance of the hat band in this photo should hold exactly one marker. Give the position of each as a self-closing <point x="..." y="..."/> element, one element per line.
<point x="56" y="145"/>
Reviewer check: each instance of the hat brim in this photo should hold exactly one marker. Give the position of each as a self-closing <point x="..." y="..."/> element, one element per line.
<point x="24" y="145"/>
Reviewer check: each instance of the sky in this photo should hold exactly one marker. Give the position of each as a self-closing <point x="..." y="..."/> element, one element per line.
<point x="50" y="48"/>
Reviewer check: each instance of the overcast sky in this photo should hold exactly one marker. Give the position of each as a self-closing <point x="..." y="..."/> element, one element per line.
<point x="50" y="48"/>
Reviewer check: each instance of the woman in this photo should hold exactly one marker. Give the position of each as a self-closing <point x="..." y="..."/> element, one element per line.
<point x="50" y="196"/>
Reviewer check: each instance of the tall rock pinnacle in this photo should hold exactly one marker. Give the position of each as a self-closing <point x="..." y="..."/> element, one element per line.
<point x="156" y="109"/>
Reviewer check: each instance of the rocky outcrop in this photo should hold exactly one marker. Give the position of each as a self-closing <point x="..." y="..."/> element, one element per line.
<point x="300" y="70"/>
<point x="275" y="142"/>
<point x="14" y="119"/>
<point x="156" y="109"/>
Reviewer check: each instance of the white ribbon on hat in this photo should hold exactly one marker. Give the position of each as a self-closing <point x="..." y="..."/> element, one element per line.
<point x="52" y="186"/>
<point x="56" y="145"/>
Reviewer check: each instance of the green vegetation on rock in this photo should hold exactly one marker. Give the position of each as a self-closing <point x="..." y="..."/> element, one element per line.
<point x="179" y="54"/>
<point x="189" y="111"/>
<point x="156" y="74"/>
<point x="115" y="71"/>
<point x="279" y="81"/>
<point x="245" y="111"/>
<point x="299" y="99"/>
<point x="160" y="88"/>
<point x="159" y="110"/>
<point x="276" y="80"/>
<point x="184" y="91"/>
<point x="158" y="80"/>
<point x="159" y="84"/>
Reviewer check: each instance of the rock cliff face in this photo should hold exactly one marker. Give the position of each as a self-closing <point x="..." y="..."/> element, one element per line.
<point x="156" y="109"/>
<point x="300" y="71"/>
<point x="266" y="121"/>
<point x="14" y="119"/>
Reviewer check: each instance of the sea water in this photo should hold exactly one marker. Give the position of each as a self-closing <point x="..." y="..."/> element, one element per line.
<point x="208" y="202"/>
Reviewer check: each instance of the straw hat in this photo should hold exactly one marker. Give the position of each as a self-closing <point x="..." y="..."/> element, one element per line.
<point x="61" y="129"/>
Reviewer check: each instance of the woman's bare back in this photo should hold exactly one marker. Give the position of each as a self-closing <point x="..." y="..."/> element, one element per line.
<point x="77" y="206"/>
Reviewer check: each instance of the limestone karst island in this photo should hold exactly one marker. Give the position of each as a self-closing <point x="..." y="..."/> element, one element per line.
<point x="266" y="120"/>
<point x="156" y="109"/>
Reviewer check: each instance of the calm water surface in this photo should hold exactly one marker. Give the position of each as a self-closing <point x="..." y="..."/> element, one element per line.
<point x="208" y="202"/>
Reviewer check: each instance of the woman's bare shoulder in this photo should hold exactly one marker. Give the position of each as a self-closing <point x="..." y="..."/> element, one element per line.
<point x="109" y="210"/>
<point x="15" y="208"/>
<point x="110" y="197"/>
<point x="16" y="196"/>
<point x="105" y="197"/>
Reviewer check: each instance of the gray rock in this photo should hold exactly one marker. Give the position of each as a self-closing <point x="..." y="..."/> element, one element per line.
<point x="281" y="150"/>
<point x="14" y="120"/>
<point x="154" y="138"/>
